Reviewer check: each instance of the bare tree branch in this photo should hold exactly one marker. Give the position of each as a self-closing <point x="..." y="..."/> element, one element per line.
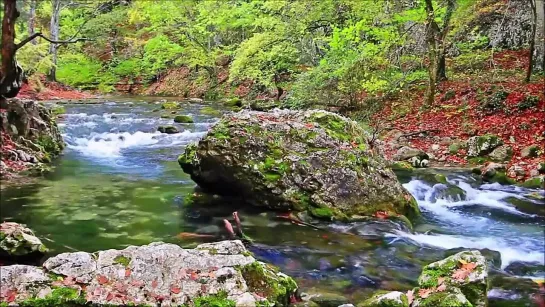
<point x="70" y="41"/>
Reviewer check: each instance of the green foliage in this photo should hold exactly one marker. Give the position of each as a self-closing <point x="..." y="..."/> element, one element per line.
<point x="528" y="102"/>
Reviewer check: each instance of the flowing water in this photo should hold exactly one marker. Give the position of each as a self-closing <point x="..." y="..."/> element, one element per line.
<point x="118" y="184"/>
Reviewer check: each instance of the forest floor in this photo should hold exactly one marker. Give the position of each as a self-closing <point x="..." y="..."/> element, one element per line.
<point x="45" y="90"/>
<point x="494" y="102"/>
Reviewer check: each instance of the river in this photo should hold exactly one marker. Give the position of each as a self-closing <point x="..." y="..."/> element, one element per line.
<point x="118" y="184"/>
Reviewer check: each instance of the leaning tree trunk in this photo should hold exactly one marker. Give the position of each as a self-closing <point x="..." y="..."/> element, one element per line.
<point x="11" y="74"/>
<point x="54" y="29"/>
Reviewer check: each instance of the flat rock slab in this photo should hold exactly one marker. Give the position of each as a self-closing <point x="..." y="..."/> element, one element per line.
<point x="157" y="274"/>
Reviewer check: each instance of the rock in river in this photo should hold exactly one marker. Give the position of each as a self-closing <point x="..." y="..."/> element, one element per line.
<point x="17" y="241"/>
<point x="158" y="274"/>
<point x="460" y="280"/>
<point x="313" y="161"/>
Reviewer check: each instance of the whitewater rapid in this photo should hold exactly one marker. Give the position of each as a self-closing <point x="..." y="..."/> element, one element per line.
<point x="521" y="241"/>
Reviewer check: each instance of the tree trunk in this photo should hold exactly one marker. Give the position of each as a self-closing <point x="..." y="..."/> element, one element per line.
<point x="532" y="41"/>
<point x="11" y="74"/>
<point x="442" y="68"/>
<point x="432" y="35"/>
<point x="32" y="21"/>
<point x="54" y="29"/>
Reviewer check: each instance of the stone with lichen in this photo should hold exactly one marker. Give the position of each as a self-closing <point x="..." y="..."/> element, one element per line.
<point x="155" y="274"/>
<point x="16" y="240"/>
<point x="313" y="161"/>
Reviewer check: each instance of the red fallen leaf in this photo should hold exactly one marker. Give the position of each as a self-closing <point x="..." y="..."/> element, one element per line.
<point x="423" y="293"/>
<point x="128" y="272"/>
<point x="119" y="286"/>
<point x="110" y="296"/>
<point x="381" y="215"/>
<point x="175" y="289"/>
<point x="441" y="288"/>
<point x="194" y="276"/>
<point x="309" y="125"/>
<point x="11" y="295"/>
<point x="325" y="237"/>
<point x="102" y="279"/>
<point x="57" y="283"/>
<point x="154" y="284"/>
<point x="410" y="296"/>
<point x="68" y="281"/>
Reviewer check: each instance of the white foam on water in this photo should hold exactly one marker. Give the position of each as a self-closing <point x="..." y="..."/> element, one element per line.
<point x="107" y="145"/>
<point x="111" y="144"/>
<point x="474" y="231"/>
<point x="524" y="251"/>
<point x="424" y="194"/>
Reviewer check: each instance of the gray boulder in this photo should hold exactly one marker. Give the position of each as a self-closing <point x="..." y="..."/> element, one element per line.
<point x="482" y="145"/>
<point x="313" y="161"/>
<point x="155" y="274"/>
<point x="502" y="153"/>
<point x="405" y="153"/>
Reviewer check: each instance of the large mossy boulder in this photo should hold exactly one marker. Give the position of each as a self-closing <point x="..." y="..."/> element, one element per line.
<point x="17" y="242"/>
<point x="387" y="299"/>
<point x="313" y="161"/>
<point x="158" y="274"/>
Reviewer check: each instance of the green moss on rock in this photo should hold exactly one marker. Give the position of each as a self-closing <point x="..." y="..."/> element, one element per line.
<point x="170" y="105"/>
<point x="183" y="119"/>
<point x="124" y="261"/>
<point x="275" y="286"/>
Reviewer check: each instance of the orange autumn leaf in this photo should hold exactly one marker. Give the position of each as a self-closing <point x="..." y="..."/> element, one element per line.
<point x="423" y="293"/>
<point x="469" y="266"/>
<point x="381" y="214"/>
<point x="460" y="275"/>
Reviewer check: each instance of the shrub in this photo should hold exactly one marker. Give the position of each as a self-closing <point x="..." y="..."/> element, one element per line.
<point x="528" y="102"/>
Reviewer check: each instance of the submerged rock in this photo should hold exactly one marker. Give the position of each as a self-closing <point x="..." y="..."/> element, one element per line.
<point x="156" y="274"/>
<point x="183" y="119"/>
<point x="17" y="241"/>
<point x="168" y="129"/>
<point x="313" y="161"/>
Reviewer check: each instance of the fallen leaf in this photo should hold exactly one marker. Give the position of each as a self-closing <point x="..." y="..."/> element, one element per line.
<point x="440" y="280"/>
<point x="423" y="293"/>
<point x="68" y="281"/>
<point x="11" y="295"/>
<point x="460" y="274"/>
<point x="110" y="296"/>
<point x="381" y="215"/>
<point x="137" y="283"/>
<point x="175" y="289"/>
<point x="128" y="272"/>
<point x="102" y="279"/>
<point x="410" y="296"/>
<point x="154" y="284"/>
<point x="194" y="276"/>
<point x="441" y="288"/>
<point x="469" y="266"/>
